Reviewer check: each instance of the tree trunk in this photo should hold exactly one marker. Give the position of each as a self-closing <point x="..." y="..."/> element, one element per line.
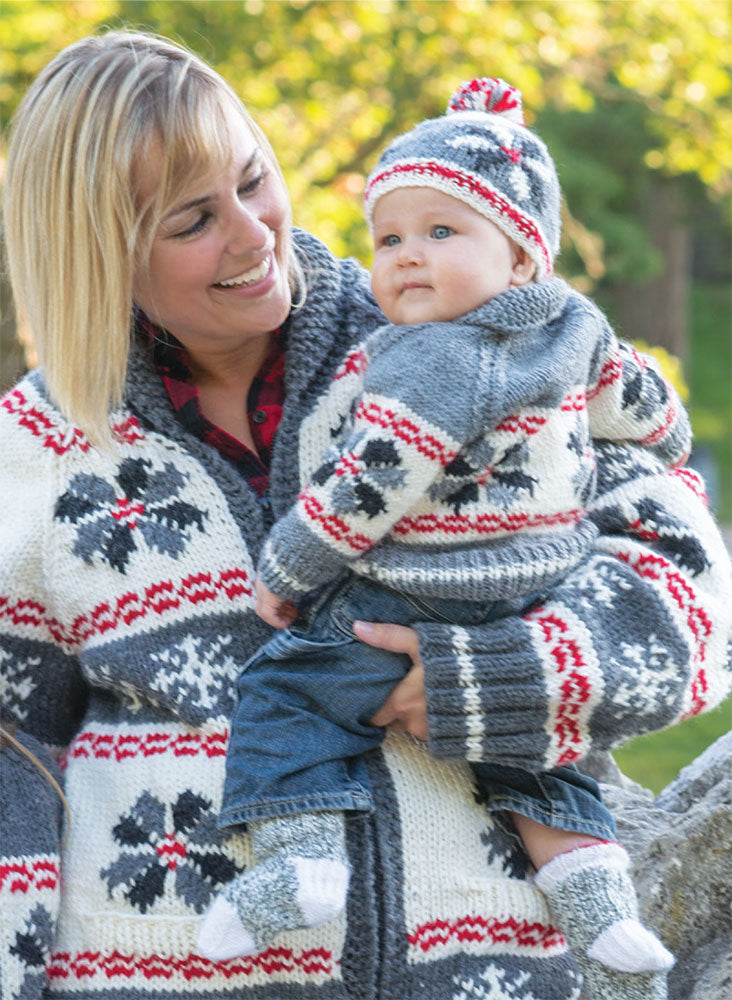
<point x="657" y="310"/>
<point x="15" y="355"/>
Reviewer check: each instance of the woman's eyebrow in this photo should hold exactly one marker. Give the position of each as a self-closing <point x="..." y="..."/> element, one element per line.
<point x="196" y="202"/>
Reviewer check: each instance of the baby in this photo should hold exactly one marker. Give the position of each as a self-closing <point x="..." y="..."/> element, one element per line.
<point x="453" y="472"/>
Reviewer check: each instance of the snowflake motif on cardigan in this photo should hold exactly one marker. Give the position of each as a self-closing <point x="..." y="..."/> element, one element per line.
<point x="470" y="441"/>
<point x="106" y="516"/>
<point x="89" y="645"/>
<point x="155" y="849"/>
<point x="31" y="948"/>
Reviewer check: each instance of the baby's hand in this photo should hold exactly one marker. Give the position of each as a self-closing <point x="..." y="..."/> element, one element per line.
<point x="271" y="608"/>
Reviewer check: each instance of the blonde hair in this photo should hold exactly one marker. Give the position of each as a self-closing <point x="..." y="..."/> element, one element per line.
<point x="75" y="227"/>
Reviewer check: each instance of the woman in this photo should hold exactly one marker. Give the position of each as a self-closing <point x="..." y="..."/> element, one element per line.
<point x="128" y="550"/>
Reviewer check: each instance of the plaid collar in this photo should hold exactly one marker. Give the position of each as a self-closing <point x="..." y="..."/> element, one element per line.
<point x="264" y="403"/>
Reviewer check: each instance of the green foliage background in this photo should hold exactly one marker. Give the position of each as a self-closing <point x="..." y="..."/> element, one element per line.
<point x="624" y="93"/>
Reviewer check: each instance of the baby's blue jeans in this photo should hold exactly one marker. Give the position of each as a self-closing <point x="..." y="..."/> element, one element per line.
<point x="301" y="727"/>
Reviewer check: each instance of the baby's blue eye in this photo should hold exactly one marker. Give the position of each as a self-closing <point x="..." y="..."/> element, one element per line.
<point x="441" y="232"/>
<point x="391" y="240"/>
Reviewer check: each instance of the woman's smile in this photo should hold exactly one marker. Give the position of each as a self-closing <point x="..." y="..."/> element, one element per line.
<point x="248" y="278"/>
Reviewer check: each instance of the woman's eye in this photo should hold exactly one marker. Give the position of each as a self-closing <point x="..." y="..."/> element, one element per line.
<point x="197" y="227"/>
<point x="391" y="240"/>
<point x="441" y="232"/>
<point x="251" y="186"/>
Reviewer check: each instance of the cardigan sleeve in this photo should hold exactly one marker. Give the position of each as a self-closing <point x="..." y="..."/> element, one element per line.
<point x="635" y="639"/>
<point x="629" y="400"/>
<point x="395" y="446"/>
<point x="30" y="829"/>
<point x="42" y="696"/>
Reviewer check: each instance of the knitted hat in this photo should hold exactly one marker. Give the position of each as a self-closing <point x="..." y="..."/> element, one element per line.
<point x="481" y="152"/>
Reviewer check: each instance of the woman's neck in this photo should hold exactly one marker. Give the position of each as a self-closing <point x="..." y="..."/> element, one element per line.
<point x="223" y="379"/>
<point x="228" y="369"/>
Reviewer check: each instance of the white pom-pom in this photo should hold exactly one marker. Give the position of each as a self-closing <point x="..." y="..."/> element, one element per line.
<point x="489" y="94"/>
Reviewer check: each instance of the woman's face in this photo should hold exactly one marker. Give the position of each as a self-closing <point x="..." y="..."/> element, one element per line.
<point x="217" y="274"/>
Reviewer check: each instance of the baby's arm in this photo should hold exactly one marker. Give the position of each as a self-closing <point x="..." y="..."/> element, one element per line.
<point x="394" y="449"/>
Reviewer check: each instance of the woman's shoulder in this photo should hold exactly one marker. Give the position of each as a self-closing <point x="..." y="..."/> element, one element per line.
<point x="29" y="417"/>
<point x="332" y="282"/>
<point x="338" y="309"/>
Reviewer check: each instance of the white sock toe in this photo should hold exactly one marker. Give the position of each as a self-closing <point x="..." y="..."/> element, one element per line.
<point x="222" y="934"/>
<point x="628" y="946"/>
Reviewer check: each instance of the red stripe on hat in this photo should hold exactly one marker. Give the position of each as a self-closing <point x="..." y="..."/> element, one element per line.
<point x="523" y="223"/>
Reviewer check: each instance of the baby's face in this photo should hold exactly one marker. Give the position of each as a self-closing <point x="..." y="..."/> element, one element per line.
<point x="435" y="258"/>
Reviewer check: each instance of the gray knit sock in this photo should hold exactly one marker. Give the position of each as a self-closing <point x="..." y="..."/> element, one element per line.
<point x="601" y="983"/>
<point x="593" y="900"/>
<point x="300" y="880"/>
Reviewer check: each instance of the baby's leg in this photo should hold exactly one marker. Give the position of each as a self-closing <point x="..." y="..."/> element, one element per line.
<point x="300" y="880"/>
<point x="589" y="890"/>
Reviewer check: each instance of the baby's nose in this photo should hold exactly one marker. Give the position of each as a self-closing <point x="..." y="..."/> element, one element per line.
<point x="410" y="253"/>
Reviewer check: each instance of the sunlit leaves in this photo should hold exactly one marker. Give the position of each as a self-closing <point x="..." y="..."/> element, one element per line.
<point x="331" y="82"/>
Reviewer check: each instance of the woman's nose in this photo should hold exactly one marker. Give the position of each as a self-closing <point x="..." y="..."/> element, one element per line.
<point x="247" y="231"/>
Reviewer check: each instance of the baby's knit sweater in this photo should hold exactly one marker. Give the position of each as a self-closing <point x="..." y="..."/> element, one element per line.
<point x="126" y="614"/>
<point x="459" y="457"/>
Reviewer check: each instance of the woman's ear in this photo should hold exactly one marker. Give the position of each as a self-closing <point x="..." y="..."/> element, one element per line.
<point x="524" y="267"/>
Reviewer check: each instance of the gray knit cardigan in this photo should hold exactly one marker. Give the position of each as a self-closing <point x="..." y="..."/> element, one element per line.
<point x="125" y="615"/>
<point x="458" y="458"/>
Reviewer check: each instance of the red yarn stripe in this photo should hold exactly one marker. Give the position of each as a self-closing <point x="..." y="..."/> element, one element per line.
<point x="22" y="876"/>
<point x="524" y="224"/>
<point x="517" y="933"/>
<point x="85" y="965"/>
<point x="158" y="598"/>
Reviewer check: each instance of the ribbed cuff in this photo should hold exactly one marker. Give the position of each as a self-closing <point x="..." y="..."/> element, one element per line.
<point x="295" y="562"/>
<point x="486" y="699"/>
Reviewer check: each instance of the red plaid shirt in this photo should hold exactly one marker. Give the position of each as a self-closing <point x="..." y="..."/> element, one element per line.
<point x="264" y="403"/>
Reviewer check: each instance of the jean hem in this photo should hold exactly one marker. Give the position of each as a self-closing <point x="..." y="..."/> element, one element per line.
<point x="549" y="818"/>
<point x="341" y="802"/>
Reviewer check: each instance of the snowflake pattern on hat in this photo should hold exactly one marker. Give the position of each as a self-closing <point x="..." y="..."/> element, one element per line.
<point x="481" y="153"/>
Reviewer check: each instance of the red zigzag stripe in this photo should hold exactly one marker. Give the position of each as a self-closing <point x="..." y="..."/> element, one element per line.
<point x="519" y="933"/>
<point x="158" y="599"/>
<point x="41" y="426"/>
<point x="569" y="661"/>
<point x="22" y="876"/>
<point x="484" y="524"/>
<point x="693" y="481"/>
<point x="425" y="524"/>
<point x="84" y="965"/>
<point x="609" y="373"/>
<point x="118" y="747"/>
<point x="405" y="430"/>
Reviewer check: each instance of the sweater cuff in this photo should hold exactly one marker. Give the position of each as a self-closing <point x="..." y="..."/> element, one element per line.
<point x="486" y="698"/>
<point x="295" y="561"/>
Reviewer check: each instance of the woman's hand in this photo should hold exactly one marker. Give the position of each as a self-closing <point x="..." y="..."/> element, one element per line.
<point x="406" y="706"/>
<point x="273" y="609"/>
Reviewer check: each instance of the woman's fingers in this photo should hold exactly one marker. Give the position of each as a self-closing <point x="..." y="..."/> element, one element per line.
<point x="396" y="638"/>
<point x="406" y="706"/>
